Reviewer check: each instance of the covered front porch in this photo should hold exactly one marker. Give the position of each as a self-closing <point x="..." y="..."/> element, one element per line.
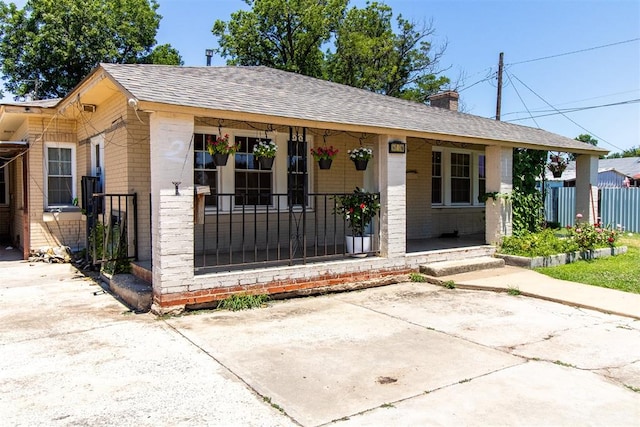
<point x="219" y="230"/>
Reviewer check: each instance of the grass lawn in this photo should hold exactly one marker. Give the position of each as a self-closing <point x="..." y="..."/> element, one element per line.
<point x="620" y="272"/>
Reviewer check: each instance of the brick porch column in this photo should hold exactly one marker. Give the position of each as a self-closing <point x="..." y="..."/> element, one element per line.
<point x="498" y="213"/>
<point x="172" y="215"/>
<point x="587" y="187"/>
<point x="392" y="184"/>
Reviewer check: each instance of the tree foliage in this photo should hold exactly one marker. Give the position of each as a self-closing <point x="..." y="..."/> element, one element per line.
<point x="587" y="139"/>
<point x="370" y="55"/>
<point x="527" y="203"/>
<point x="630" y="152"/>
<point x="283" y="34"/>
<point x="50" y="45"/>
<point x="363" y="49"/>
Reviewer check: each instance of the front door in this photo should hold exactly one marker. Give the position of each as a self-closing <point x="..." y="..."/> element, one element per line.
<point x="97" y="161"/>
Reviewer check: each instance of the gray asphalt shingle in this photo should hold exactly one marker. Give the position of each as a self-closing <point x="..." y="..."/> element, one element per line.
<point x="266" y="91"/>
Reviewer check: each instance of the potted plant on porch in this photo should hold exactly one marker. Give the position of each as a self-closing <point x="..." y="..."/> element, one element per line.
<point x="265" y="152"/>
<point x="360" y="157"/>
<point x="358" y="210"/>
<point x="324" y="156"/>
<point x="220" y="149"/>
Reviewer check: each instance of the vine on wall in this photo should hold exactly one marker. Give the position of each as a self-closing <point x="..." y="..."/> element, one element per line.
<point x="527" y="203"/>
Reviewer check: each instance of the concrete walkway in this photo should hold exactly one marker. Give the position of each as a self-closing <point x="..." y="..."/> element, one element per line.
<point x="531" y="283"/>
<point x="406" y="354"/>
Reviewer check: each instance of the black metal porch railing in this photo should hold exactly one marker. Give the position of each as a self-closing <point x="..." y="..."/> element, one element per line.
<point x="271" y="231"/>
<point x="112" y="228"/>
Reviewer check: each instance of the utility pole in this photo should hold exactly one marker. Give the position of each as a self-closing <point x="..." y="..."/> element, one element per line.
<point x="499" y="100"/>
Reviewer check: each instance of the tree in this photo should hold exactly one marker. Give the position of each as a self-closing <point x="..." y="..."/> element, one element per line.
<point x="630" y="152"/>
<point x="363" y="49"/>
<point x="587" y="139"/>
<point x="370" y="55"/>
<point x="283" y="34"/>
<point x="47" y="47"/>
<point x="163" y="54"/>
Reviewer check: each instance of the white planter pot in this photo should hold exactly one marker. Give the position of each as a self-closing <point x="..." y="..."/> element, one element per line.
<point x="358" y="245"/>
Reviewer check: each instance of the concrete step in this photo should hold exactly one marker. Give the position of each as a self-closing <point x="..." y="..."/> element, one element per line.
<point x="447" y="268"/>
<point x="135" y="292"/>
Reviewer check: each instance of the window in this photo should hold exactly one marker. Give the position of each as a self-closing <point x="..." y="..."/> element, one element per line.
<point x="3" y="184"/>
<point x="297" y="171"/>
<point x="482" y="175"/>
<point x="204" y="169"/>
<point x="436" y="177"/>
<point x="60" y="174"/>
<point x="253" y="185"/>
<point x="460" y="178"/>
<point x="457" y="177"/>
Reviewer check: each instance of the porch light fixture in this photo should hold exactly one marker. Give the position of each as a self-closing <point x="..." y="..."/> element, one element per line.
<point x="209" y="54"/>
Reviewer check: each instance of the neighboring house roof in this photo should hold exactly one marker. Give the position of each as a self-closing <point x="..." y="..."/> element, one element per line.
<point x="266" y="91"/>
<point x="43" y="103"/>
<point x="626" y="166"/>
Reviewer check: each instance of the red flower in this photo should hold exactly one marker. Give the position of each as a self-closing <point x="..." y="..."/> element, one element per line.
<point x="362" y="206"/>
<point x="350" y="210"/>
<point x="611" y="239"/>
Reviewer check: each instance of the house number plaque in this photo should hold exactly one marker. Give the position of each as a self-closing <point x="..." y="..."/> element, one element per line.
<point x="397" y="147"/>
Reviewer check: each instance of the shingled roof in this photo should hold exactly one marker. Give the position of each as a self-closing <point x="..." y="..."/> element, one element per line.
<point x="266" y="91"/>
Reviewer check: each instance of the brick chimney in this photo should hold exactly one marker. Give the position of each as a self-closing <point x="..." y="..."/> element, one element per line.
<point x="448" y="100"/>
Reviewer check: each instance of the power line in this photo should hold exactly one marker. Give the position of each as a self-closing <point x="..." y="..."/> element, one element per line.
<point x="521" y="100"/>
<point x="565" y="116"/>
<point x="571" y="110"/>
<point x="575" y="51"/>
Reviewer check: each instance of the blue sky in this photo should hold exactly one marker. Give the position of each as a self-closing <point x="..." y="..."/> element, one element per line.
<point x="477" y="31"/>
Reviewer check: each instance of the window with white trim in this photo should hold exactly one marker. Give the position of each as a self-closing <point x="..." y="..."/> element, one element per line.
<point x="457" y="177"/>
<point x="204" y="169"/>
<point x="460" y="178"/>
<point x="253" y="185"/>
<point x="60" y="179"/>
<point x="482" y="175"/>
<point x="436" y="177"/>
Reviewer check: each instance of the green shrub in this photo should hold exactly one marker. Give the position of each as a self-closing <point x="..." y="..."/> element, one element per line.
<point x="543" y="243"/>
<point x="243" y="302"/>
<point x="581" y="237"/>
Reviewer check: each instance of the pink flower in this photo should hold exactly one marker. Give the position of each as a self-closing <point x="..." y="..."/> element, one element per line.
<point x="579" y="216"/>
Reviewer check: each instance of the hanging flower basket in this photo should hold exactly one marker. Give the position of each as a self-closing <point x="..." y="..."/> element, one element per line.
<point x="325" y="163"/>
<point x="360" y="157"/>
<point x="557" y="165"/>
<point x="265" y="153"/>
<point x="266" y="163"/>
<point x="220" y="159"/>
<point x="220" y="149"/>
<point x="324" y="156"/>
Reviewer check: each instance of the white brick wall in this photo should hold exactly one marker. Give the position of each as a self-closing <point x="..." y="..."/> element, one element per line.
<point x="172" y="220"/>
<point x="393" y="185"/>
<point x="499" y="168"/>
<point x="587" y="188"/>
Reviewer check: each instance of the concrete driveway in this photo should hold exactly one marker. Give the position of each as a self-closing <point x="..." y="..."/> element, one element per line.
<point x="408" y="354"/>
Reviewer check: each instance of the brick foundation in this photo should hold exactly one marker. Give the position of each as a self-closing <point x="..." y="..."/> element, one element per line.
<point x="164" y="303"/>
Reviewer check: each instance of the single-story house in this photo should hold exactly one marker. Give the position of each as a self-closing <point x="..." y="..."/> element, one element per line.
<point x="612" y="173"/>
<point x="126" y="150"/>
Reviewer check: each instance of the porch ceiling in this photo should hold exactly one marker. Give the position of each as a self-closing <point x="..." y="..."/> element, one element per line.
<point x="10" y="149"/>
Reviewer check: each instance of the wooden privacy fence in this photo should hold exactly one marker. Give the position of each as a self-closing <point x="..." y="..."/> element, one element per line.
<point x="618" y="207"/>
